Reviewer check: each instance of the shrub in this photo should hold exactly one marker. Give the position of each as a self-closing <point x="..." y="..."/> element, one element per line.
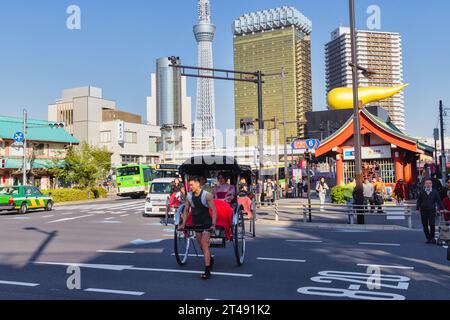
<point x="341" y="194"/>
<point x="65" y="195"/>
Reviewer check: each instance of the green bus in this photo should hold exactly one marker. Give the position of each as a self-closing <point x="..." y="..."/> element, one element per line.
<point x="133" y="180"/>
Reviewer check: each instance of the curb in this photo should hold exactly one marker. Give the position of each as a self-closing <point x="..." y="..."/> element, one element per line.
<point x="333" y="226"/>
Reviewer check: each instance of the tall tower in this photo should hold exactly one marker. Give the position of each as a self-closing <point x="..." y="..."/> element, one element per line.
<point x="205" y="122"/>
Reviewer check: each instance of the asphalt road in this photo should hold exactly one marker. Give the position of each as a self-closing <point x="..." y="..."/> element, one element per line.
<point x="122" y="255"/>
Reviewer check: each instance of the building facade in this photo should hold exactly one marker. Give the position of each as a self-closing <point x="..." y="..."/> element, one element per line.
<point x="97" y="121"/>
<point x="46" y="148"/>
<point x="170" y="108"/>
<point x="378" y="51"/>
<point x="270" y="40"/>
<point x="205" y="118"/>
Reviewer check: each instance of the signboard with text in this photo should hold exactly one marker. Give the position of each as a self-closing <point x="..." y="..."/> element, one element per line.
<point x="120" y="132"/>
<point x="367" y="153"/>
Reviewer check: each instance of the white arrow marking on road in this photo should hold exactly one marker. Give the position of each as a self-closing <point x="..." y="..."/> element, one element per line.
<point x="384" y="266"/>
<point x="22" y="284"/>
<point x="379" y="244"/>
<point x="112" y="267"/>
<point x="281" y="260"/>
<point x="130" y="293"/>
<point x="138" y="242"/>
<point x="69" y="219"/>
<point x="116" y="251"/>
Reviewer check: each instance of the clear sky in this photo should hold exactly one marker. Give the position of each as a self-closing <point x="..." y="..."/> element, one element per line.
<point x="119" y="42"/>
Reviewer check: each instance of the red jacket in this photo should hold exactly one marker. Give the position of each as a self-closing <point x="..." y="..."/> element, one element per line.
<point x="446" y="203"/>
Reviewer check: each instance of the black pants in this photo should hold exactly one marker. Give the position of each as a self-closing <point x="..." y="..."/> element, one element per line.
<point x="367" y="201"/>
<point x="429" y="224"/>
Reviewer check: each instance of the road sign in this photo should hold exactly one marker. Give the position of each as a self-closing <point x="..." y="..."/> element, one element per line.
<point x="313" y="144"/>
<point x="19" y="137"/>
<point x="299" y="144"/>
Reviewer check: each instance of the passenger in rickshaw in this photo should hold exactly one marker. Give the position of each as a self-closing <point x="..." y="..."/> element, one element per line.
<point x="244" y="197"/>
<point x="224" y="191"/>
<point x="204" y="225"/>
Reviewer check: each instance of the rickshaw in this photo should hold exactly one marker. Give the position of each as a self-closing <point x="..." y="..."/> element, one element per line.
<point x="230" y="226"/>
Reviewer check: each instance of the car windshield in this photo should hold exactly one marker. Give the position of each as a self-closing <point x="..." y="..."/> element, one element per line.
<point x="160" y="188"/>
<point x="9" y="191"/>
<point x="129" y="171"/>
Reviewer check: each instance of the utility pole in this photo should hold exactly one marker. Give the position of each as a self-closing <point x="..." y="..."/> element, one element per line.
<point x="283" y="89"/>
<point x="443" y="157"/>
<point x="436" y="138"/>
<point x="357" y="127"/>
<point x="24" y="168"/>
<point x="261" y="122"/>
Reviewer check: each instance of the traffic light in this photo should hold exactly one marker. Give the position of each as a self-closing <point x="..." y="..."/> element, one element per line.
<point x="3" y="163"/>
<point x="57" y="125"/>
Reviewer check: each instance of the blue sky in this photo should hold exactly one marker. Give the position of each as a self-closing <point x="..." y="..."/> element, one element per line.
<point x="120" y="40"/>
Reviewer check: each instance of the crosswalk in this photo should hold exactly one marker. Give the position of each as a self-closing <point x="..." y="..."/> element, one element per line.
<point x="98" y="208"/>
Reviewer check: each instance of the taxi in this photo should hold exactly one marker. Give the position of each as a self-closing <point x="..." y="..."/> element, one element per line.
<point x="24" y="198"/>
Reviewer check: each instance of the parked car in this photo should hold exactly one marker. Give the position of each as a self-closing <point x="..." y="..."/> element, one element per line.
<point x="23" y="199"/>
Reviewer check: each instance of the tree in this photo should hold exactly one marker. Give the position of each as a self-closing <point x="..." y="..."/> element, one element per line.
<point x="84" y="166"/>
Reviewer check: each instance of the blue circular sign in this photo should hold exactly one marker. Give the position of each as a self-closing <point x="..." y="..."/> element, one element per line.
<point x="19" y="137"/>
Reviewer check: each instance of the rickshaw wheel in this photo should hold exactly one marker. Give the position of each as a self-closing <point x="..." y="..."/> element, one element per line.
<point x="182" y="243"/>
<point x="239" y="237"/>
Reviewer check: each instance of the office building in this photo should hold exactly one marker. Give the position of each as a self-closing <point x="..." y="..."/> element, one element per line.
<point x="268" y="41"/>
<point x="92" y="119"/>
<point x="377" y="51"/>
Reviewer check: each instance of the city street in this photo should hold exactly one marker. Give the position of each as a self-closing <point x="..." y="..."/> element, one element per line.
<point x="123" y="255"/>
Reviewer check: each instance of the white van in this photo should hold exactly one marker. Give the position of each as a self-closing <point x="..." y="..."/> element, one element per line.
<point x="157" y="198"/>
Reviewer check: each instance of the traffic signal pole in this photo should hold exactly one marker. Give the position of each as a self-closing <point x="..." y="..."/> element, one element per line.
<point x="24" y="169"/>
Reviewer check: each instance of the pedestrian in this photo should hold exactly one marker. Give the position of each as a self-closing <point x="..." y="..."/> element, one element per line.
<point x="269" y="193"/>
<point x="322" y="189"/>
<point x="358" y="203"/>
<point x="399" y="192"/>
<point x="427" y="202"/>
<point x="368" y="195"/>
<point x="437" y="185"/>
<point x="380" y="193"/>
<point x="204" y="225"/>
<point x="258" y="190"/>
<point x="446" y="189"/>
<point x="300" y="188"/>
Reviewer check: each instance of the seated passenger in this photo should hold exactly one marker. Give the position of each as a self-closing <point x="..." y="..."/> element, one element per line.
<point x="244" y="198"/>
<point x="224" y="191"/>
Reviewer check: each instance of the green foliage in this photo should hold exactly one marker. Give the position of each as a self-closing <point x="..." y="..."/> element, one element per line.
<point x="65" y="195"/>
<point x="84" y="166"/>
<point x="341" y="194"/>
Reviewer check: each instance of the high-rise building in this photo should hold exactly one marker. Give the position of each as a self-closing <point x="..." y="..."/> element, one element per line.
<point x="205" y="122"/>
<point x="169" y="107"/>
<point x="268" y="41"/>
<point x="378" y="51"/>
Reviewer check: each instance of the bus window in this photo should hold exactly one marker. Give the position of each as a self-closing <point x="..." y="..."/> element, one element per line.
<point x="147" y="175"/>
<point x="128" y="171"/>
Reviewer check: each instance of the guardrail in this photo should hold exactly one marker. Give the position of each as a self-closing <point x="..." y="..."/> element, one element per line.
<point x="307" y="211"/>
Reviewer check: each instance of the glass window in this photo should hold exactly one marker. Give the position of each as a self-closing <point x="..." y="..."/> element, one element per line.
<point x="128" y="171"/>
<point x="372" y="169"/>
<point x="130" y="137"/>
<point x="160" y="188"/>
<point x="105" y="136"/>
<point x="130" y="159"/>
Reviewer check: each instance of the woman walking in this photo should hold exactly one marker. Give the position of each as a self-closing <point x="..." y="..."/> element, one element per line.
<point x="322" y="189"/>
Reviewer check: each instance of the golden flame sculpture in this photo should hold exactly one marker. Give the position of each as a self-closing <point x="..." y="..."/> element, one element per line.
<point x="342" y="98"/>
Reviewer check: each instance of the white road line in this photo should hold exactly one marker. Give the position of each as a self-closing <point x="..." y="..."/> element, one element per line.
<point x="111" y="218"/>
<point x="240" y="275"/>
<point x="116" y="251"/>
<point x="384" y="266"/>
<point x="22" y="284"/>
<point x="69" y="219"/>
<point x="281" y="260"/>
<point x="111" y="267"/>
<point x="125" y="215"/>
<point x="129" y="293"/>
<point x="379" y="244"/>
<point x="48" y="216"/>
<point x="306" y="241"/>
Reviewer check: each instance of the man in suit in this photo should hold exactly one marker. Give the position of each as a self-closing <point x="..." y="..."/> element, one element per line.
<point x="427" y="202"/>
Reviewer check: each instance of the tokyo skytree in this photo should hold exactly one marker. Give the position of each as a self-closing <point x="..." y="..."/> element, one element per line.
<point x="205" y="125"/>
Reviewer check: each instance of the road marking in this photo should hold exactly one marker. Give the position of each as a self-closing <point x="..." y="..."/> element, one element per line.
<point x="195" y="256"/>
<point x="354" y="287"/>
<point x="384" y="266"/>
<point x="48" y="216"/>
<point x="138" y="242"/>
<point x="306" y="241"/>
<point x="125" y="215"/>
<point x="112" y="267"/>
<point x="69" y="219"/>
<point x="22" y="284"/>
<point x="130" y="293"/>
<point x="111" y="218"/>
<point x="110" y="222"/>
<point x="19" y="218"/>
<point x="116" y="251"/>
<point x="97" y="212"/>
<point x="379" y="244"/>
<point x="281" y="260"/>
<point x="241" y="275"/>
